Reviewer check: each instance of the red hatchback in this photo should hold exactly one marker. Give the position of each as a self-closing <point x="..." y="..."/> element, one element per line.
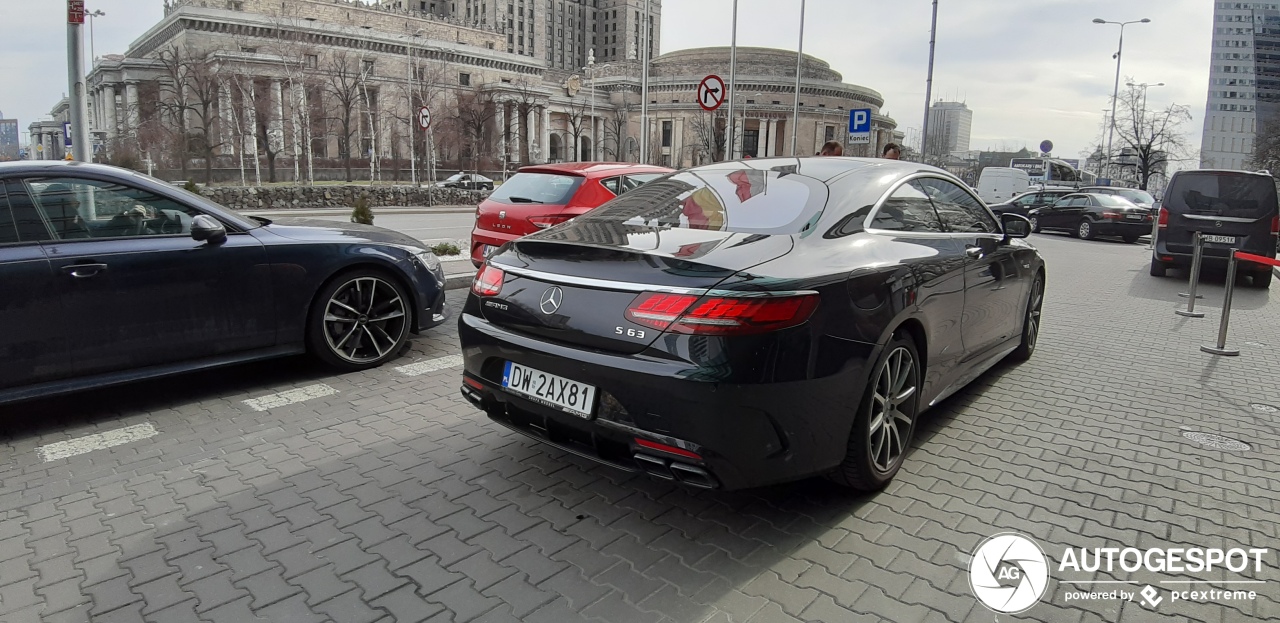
<point x="540" y="196"/>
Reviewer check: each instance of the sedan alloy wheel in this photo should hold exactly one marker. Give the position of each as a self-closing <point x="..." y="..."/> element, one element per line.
<point x="892" y="410"/>
<point x="364" y="320"/>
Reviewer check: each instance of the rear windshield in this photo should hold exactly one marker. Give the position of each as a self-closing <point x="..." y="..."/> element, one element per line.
<point x="547" y="188"/>
<point x="1112" y="201"/>
<point x="747" y="200"/>
<point x="1222" y="194"/>
<point x="1136" y="196"/>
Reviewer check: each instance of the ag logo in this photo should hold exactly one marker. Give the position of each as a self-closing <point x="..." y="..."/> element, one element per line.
<point x="1008" y="573"/>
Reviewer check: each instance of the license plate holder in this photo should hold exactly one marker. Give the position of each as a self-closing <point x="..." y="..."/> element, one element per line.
<point x="549" y="390"/>
<point x="1219" y="239"/>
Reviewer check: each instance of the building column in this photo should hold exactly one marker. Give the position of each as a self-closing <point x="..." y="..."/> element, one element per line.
<point x="131" y="108"/>
<point x="546" y="133"/>
<point x="225" y="122"/>
<point x="44" y="147"/>
<point x="501" y="118"/>
<point x="534" y="151"/>
<point x="109" y="111"/>
<point x="275" y="123"/>
<point x="251" y="125"/>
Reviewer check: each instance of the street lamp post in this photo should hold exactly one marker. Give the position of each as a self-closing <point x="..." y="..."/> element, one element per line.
<point x="1115" y="92"/>
<point x="591" y="76"/>
<point x="93" y="56"/>
<point x="733" y="83"/>
<point x="795" y="110"/>
<point x="409" y="89"/>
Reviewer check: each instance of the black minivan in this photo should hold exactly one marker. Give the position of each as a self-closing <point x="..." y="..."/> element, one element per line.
<point x="1230" y="209"/>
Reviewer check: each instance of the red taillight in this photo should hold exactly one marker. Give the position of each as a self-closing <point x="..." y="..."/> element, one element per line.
<point x="543" y="222"/>
<point x="1112" y="215"/>
<point x="1275" y="226"/>
<point x="472" y="382"/>
<point x="720" y="315"/>
<point x="662" y="447"/>
<point x="1164" y="219"/>
<point x="488" y="281"/>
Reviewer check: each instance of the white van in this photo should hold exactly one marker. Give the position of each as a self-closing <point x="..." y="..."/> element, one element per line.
<point x="1000" y="184"/>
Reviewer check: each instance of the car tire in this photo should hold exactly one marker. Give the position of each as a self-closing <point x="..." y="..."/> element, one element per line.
<point x="1262" y="279"/>
<point x="1031" y="321"/>
<point x="1084" y="230"/>
<point x="870" y="462"/>
<point x="1035" y="225"/>
<point x="1131" y="239"/>
<point x="1158" y="268"/>
<point x="360" y="319"/>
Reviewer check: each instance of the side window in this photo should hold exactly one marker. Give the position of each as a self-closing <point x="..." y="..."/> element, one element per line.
<point x="632" y="182"/>
<point x="613" y="184"/>
<point x="80" y="208"/>
<point x="1079" y="200"/>
<point x="8" y="231"/>
<point x="907" y="209"/>
<point x="959" y="211"/>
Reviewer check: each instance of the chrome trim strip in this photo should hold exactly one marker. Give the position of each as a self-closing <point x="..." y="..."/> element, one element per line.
<point x="627" y="286"/>
<point x="1224" y="219"/>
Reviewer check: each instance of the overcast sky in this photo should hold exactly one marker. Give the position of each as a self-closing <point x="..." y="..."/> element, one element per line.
<point x="1029" y="69"/>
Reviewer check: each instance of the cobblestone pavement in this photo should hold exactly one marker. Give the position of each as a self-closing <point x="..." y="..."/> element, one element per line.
<point x="382" y="496"/>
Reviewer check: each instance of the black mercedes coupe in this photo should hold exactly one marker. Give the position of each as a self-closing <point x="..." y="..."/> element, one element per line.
<point x="746" y="323"/>
<point x="109" y="276"/>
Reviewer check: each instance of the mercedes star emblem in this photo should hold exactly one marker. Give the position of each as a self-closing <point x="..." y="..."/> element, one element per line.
<point x="1217" y="223"/>
<point x="551" y="299"/>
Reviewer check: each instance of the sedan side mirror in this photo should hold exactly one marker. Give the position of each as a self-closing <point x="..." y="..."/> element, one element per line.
<point x="1015" y="225"/>
<point x="207" y="228"/>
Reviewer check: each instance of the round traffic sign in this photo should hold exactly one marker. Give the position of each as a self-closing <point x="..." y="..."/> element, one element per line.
<point x="711" y="92"/>
<point x="1046" y="146"/>
<point x="424" y="118"/>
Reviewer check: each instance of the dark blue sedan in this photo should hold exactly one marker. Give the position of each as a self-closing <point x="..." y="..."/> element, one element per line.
<point x="109" y="276"/>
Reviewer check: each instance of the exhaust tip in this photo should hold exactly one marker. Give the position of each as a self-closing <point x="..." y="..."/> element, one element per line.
<point x="654" y="466"/>
<point x="693" y="476"/>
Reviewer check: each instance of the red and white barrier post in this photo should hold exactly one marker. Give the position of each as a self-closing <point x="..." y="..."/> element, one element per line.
<point x="1236" y="256"/>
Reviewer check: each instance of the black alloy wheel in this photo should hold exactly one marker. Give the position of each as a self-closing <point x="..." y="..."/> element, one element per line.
<point x="886" y="419"/>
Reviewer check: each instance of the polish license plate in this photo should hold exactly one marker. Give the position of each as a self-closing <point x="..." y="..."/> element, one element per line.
<point x="549" y="390"/>
<point x="1221" y="239"/>
<point x="487" y="250"/>
<point x="1133" y="217"/>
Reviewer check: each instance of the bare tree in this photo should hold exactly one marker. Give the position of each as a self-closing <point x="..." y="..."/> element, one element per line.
<point x="709" y="135"/>
<point x="189" y="95"/>
<point x="576" y="122"/>
<point x="1155" y="138"/>
<point x="344" y="86"/>
<point x="1266" y="148"/>
<point x="471" y="117"/>
<point x="615" y="133"/>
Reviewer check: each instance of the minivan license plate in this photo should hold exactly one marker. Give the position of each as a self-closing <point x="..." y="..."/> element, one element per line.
<point x="1220" y="239"/>
<point x="549" y="390"/>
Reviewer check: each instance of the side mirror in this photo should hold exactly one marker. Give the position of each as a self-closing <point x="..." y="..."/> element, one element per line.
<point x="1015" y="225"/>
<point x="206" y="228"/>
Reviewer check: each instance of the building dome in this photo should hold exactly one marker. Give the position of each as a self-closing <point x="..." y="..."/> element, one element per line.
<point x="757" y="61"/>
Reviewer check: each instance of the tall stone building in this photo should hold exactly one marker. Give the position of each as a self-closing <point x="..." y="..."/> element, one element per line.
<point x="241" y="90"/>
<point x="950" y="128"/>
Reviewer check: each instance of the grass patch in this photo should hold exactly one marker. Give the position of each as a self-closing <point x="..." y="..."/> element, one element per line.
<point x="446" y="248"/>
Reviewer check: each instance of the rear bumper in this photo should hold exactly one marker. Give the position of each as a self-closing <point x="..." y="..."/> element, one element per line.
<point x="1122" y="228"/>
<point x="743" y="434"/>
<point x="481" y="237"/>
<point x="1213" y="254"/>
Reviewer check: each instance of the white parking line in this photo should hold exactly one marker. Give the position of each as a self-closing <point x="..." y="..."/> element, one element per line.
<point x="289" y="397"/>
<point x="97" y="441"/>
<point x="430" y="365"/>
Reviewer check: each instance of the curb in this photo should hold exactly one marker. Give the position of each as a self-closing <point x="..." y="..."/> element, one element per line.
<point x="458" y="281"/>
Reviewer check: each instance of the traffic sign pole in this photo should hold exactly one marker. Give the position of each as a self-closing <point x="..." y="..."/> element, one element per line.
<point x="77" y="95"/>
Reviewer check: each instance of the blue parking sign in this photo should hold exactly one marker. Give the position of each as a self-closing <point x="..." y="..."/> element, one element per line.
<point x="860" y="121"/>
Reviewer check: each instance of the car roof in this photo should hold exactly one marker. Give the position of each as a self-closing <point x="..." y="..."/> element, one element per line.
<point x="1221" y="171"/>
<point x="594" y="169"/>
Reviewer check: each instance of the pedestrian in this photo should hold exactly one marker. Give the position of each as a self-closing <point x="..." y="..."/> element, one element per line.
<point x="831" y="148"/>
<point x="891" y="151"/>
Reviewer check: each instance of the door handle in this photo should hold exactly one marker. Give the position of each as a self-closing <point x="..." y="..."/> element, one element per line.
<point x="973" y="252"/>
<point x="81" y="271"/>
